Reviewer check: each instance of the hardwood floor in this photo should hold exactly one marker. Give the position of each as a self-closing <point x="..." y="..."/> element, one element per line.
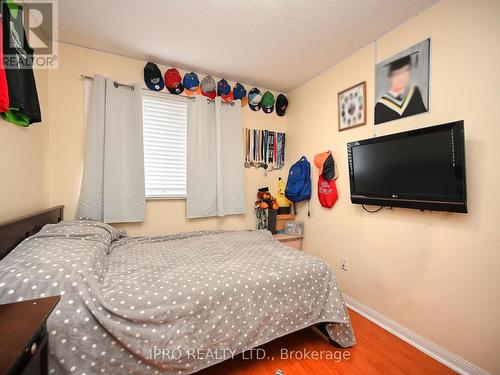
<point x="377" y="352"/>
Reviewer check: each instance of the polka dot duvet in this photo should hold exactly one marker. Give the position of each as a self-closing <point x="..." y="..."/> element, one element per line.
<point x="170" y="304"/>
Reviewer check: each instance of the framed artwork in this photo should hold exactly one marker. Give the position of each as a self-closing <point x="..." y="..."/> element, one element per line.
<point x="402" y="84"/>
<point x="352" y="106"/>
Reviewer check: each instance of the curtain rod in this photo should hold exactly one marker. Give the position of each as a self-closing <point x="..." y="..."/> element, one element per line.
<point x="193" y="98"/>
<point x="117" y="84"/>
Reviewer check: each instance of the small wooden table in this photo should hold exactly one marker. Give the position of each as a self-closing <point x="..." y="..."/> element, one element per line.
<point x="24" y="343"/>
<point x="289" y="240"/>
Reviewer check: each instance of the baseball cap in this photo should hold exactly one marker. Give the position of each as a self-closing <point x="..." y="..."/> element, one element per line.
<point x="254" y="99"/>
<point x="173" y="81"/>
<point x="228" y="98"/>
<point x="329" y="168"/>
<point x="240" y="93"/>
<point x="152" y="77"/>
<point x="223" y="88"/>
<point x="281" y="105"/>
<point x="191" y="84"/>
<point x="325" y="164"/>
<point x="208" y="87"/>
<point x="267" y="102"/>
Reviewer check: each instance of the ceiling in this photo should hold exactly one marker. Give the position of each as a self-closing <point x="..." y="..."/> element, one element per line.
<point x="276" y="44"/>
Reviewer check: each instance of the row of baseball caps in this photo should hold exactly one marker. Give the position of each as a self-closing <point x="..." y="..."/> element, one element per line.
<point x="190" y="85"/>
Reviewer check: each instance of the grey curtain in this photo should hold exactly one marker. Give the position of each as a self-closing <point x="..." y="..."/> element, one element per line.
<point x="112" y="187"/>
<point x="215" y="174"/>
<point x="201" y="173"/>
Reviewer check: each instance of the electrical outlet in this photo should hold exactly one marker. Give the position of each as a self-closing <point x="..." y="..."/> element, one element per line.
<point x="343" y="263"/>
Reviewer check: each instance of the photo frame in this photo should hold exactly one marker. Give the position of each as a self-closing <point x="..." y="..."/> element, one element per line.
<point x="352" y="106"/>
<point x="294" y="228"/>
<point x="402" y="84"/>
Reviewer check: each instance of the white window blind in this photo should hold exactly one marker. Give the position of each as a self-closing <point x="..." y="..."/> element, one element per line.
<point x="165" y="137"/>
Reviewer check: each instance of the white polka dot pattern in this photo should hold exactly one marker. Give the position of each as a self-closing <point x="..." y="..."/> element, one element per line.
<point x="123" y="297"/>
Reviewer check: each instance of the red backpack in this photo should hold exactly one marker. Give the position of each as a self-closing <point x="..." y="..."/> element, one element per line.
<point x="327" y="192"/>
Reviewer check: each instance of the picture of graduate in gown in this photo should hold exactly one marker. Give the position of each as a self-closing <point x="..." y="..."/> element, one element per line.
<point x="402" y="84"/>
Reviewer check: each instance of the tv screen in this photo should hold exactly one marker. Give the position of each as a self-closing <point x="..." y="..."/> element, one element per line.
<point x="423" y="168"/>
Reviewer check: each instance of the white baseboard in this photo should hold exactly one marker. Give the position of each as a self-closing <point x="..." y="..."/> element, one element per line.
<point x="447" y="358"/>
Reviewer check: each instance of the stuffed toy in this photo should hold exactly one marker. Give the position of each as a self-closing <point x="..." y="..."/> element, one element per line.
<point x="281" y="198"/>
<point x="265" y="200"/>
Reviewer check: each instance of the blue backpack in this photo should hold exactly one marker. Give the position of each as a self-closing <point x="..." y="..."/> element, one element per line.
<point x="298" y="185"/>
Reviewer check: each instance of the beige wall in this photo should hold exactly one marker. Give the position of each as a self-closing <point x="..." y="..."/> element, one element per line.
<point x="67" y="139"/>
<point x="23" y="161"/>
<point x="436" y="273"/>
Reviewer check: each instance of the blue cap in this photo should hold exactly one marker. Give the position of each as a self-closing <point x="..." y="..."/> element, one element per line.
<point x="239" y="91"/>
<point x="190" y="81"/>
<point x="223" y="88"/>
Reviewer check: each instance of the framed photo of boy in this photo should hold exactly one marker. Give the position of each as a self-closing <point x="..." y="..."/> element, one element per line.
<point x="402" y="84"/>
<point x="352" y="106"/>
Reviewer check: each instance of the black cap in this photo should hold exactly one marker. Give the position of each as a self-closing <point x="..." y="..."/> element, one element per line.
<point x="329" y="168"/>
<point x="281" y="105"/>
<point x="176" y="90"/>
<point x="152" y="77"/>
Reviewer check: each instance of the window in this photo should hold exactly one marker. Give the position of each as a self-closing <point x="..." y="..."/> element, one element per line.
<point x="165" y="133"/>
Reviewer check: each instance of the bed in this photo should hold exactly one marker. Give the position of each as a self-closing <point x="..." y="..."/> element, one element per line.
<point x="170" y="304"/>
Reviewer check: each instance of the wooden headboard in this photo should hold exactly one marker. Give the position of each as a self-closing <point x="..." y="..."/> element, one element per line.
<point x="14" y="231"/>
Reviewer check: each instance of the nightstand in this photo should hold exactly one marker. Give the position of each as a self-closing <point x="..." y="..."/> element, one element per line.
<point x="289" y="240"/>
<point x="23" y="328"/>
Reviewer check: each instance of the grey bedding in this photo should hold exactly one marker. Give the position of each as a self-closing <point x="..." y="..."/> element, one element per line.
<point x="171" y="304"/>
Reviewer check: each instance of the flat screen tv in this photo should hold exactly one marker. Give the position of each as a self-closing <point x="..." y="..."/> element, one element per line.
<point x="423" y="168"/>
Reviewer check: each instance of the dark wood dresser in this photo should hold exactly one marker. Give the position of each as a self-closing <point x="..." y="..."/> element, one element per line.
<point x="23" y="336"/>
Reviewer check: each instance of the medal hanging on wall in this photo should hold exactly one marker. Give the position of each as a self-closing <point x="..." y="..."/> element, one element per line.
<point x="264" y="149"/>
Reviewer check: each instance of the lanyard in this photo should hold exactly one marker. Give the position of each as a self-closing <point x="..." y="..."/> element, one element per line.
<point x="247" y="147"/>
<point x="265" y="135"/>
<point x="254" y="146"/>
<point x="275" y="151"/>
<point x="264" y="149"/>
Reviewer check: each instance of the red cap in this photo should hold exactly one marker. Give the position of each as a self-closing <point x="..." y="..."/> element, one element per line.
<point x="320" y="159"/>
<point x="172" y="78"/>
<point x="209" y="94"/>
<point x="228" y="98"/>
